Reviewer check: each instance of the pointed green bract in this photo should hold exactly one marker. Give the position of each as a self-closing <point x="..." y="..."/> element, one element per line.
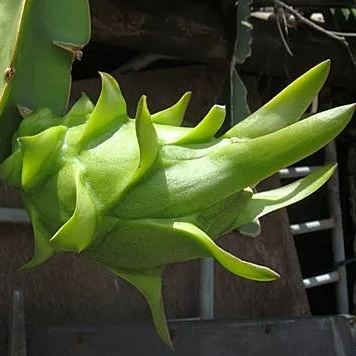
<point x="180" y="241"/>
<point x="147" y="138"/>
<point x="40" y="154"/>
<point x="34" y="72"/>
<point x="206" y="129"/>
<point x="79" y="112"/>
<point x="265" y="202"/>
<point x="109" y="112"/>
<point x="43" y="251"/>
<point x="175" y="114"/>
<point x="285" y="108"/>
<point x="78" y="233"/>
<point x="150" y="285"/>
<point x="284" y="147"/>
<point x="231" y="263"/>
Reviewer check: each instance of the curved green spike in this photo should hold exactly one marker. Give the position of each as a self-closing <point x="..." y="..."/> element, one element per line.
<point x="285" y="108"/>
<point x="43" y="251"/>
<point x="206" y="129"/>
<point x="231" y="263"/>
<point x="265" y="202"/>
<point x="286" y="146"/>
<point x="147" y="138"/>
<point x="109" y="111"/>
<point x="149" y="284"/>
<point x="40" y="154"/>
<point x="33" y="71"/>
<point x="78" y="232"/>
<point x="79" y="112"/>
<point x="252" y="228"/>
<point x="175" y="114"/>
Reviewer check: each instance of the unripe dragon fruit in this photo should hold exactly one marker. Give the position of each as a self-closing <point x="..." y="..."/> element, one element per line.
<point x="137" y="194"/>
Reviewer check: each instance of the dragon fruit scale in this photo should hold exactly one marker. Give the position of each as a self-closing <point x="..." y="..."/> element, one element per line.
<point x="136" y="194"/>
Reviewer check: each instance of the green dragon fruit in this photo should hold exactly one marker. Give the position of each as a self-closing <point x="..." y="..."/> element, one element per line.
<point x="136" y="194"/>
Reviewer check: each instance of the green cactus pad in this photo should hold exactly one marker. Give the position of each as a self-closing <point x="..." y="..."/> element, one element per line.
<point x="136" y="194"/>
<point x="39" y="41"/>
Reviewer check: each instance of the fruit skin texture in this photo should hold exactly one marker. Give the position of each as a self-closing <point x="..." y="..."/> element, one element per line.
<point x="137" y="194"/>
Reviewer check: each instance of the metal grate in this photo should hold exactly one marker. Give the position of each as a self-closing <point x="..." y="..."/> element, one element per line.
<point x="334" y="223"/>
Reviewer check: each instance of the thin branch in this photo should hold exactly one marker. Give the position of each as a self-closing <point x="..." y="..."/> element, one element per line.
<point x="334" y="35"/>
<point x="280" y="14"/>
<point x="309" y="3"/>
<point x="308" y="22"/>
<point x="344" y="34"/>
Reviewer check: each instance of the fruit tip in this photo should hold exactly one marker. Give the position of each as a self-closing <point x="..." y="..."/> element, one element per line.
<point x="187" y="96"/>
<point x="350" y="108"/>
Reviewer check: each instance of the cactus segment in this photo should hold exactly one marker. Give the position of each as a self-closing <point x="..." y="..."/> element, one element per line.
<point x="147" y="139"/>
<point x="285" y="108"/>
<point x="150" y="285"/>
<point x="206" y="129"/>
<point x="109" y="112"/>
<point x="34" y="72"/>
<point x="43" y="251"/>
<point x="37" y="151"/>
<point x="78" y="233"/>
<point x="174" y="115"/>
<point x="266" y="202"/>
